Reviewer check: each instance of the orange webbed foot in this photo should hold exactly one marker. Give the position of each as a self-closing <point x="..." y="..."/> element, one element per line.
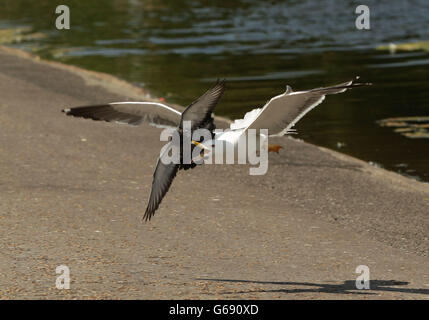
<point x="274" y="148"/>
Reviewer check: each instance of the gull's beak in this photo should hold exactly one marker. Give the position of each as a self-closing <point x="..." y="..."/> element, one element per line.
<point x="200" y="145"/>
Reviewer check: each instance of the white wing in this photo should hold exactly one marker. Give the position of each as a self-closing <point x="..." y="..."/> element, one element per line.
<point x="132" y="113"/>
<point x="282" y="112"/>
<point x="249" y="117"/>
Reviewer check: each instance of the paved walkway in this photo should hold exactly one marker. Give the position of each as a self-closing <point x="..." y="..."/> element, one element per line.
<point x="73" y="192"/>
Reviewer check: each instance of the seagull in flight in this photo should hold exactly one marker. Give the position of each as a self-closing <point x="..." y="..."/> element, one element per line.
<point x="279" y="115"/>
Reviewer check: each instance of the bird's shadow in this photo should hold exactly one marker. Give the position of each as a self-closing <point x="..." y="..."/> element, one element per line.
<point x="347" y="287"/>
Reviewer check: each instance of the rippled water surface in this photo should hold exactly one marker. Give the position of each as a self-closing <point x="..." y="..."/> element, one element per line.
<point x="176" y="49"/>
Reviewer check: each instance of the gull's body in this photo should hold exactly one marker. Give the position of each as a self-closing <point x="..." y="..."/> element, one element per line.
<point x="278" y="116"/>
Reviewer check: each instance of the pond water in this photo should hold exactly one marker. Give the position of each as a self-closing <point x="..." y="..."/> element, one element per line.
<point x="175" y="49"/>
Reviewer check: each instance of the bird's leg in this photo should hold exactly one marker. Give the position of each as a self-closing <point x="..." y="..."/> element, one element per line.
<point x="274" y="148"/>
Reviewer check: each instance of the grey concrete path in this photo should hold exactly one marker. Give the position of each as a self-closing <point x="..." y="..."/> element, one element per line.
<point x="73" y="192"/>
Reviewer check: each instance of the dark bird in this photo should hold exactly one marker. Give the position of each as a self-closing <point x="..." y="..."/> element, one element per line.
<point x="198" y="113"/>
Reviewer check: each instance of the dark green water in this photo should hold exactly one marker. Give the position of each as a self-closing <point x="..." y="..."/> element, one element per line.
<point x="176" y="49"/>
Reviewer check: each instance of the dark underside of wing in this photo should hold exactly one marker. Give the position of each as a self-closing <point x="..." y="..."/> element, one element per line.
<point x="162" y="179"/>
<point x="200" y="111"/>
<point x="164" y="175"/>
<point x="103" y="113"/>
<point x="132" y="114"/>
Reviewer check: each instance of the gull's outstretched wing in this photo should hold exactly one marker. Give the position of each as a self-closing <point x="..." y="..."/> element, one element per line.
<point x="200" y="111"/>
<point x="200" y="114"/>
<point x="162" y="179"/>
<point x="282" y="112"/>
<point x="132" y="113"/>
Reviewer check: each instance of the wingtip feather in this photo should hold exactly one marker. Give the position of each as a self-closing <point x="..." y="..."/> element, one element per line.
<point x="147" y="215"/>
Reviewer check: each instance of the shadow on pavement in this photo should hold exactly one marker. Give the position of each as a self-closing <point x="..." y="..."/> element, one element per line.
<point x="347" y="287"/>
